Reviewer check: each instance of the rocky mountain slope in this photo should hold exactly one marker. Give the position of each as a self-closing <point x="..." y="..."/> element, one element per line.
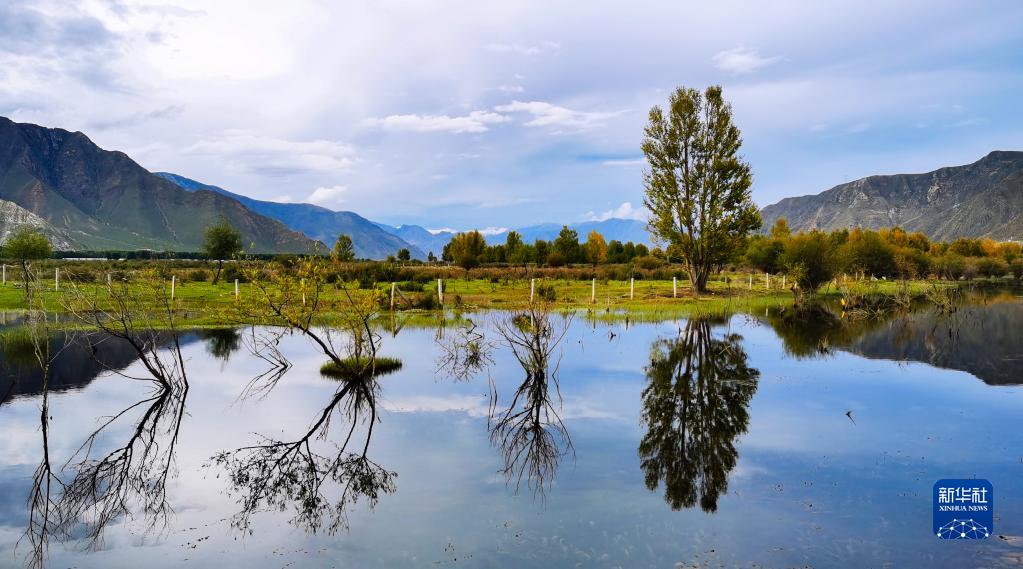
<point x="982" y="199"/>
<point x="100" y="199"/>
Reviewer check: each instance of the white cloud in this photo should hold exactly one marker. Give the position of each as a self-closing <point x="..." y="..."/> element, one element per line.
<point x="474" y="122"/>
<point x="523" y="49"/>
<point x="742" y="60"/>
<point x="492" y="230"/>
<point x="624" y="211"/>
<point x="626" y="162"/>
<point x="547" y="114"/>
<point x="443" y="230"/>
<point x="325" y="195"/>
<point x="267" y="155"/>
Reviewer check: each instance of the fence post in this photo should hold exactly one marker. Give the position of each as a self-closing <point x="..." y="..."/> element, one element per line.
<point x="783" y="281"/>
<point x="303" y="292"/>
<point x="632" y="288"/>
<point x="440" y="291"/>
<point x="593" y="292"/>
<point x="236" y="289"/>
<point x="109" y="280"/>
<point x="532" y="289"/>
<point x="674" y="287"/>
<point x="767" y="280"/>
<point x="5" y="274"/>
<point x="751" y="281"/>
<point x="392" y="297"/>
<point x="56" y="278"/>
<point x="174" y="280"/>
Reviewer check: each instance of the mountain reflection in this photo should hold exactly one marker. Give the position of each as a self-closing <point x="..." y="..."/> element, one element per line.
<point x="979" y="337"/>
<point x="695" y="404"/>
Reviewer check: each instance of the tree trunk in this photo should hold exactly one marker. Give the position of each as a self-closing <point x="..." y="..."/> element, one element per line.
<point x="698" y="277"/>
<point x="220" y="265"/>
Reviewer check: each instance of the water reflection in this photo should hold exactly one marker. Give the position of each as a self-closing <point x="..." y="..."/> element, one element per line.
<point x="529" y="431"/>
<point x="695" y="405"/>
<point x="978" y="335"/>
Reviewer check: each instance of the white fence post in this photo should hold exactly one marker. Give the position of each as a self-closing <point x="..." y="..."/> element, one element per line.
<point x="674" y="287"/>
<point x="783" y="281"/>
<point x="109" y="280"/>
<point x="751" y="282"/>
<point x="767" y="280"/>
<point x="56" y="278"/>
<point x="392" y="296"/>
<point x="532" y="289"/>
<point x="236" y="289"/>
<point x="632" y="288"/>
<point x="440" y="291"/>
<point x="593" y="292"/>
<point x="174" y="281"/>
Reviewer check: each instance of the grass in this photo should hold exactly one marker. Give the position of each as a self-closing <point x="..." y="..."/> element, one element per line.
<point x="203" y="304"/>
<point x="352" y="368"/>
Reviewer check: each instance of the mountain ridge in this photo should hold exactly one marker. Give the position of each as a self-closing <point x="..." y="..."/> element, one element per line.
<point x="316" y="222"/>
<point x="102" y="199"/>
<point x="980" y="199"/>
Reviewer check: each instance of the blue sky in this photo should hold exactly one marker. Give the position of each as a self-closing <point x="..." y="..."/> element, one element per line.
<point x="483" y="114"/>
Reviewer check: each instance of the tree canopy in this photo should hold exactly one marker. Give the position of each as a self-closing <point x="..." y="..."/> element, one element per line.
<point x="697" y="186"/>
<point x="222" y="241"/>
<point x="344" y="249"/>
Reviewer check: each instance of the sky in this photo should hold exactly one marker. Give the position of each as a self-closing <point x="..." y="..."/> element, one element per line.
<point x="469" y="114"/>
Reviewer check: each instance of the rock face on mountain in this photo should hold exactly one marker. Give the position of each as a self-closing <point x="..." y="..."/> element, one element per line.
<point x="320" y="223"/>
<point x="100" y="199"/>
<point x="983" y="199"/>
<point x="13" y="216"/>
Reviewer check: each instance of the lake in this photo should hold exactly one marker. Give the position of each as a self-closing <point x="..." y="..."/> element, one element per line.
<point x="773" y="439"/>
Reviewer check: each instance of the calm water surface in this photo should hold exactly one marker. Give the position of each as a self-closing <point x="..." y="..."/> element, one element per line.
<point x="748" y="441"/>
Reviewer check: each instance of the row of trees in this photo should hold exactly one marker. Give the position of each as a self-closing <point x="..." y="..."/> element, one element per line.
<point x="816" y="257"/>
<point x="470" y="249"/>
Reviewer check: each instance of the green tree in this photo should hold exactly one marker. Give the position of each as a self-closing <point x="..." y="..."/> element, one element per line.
<point x="810" y="259"/>
<point x="515" y="249"/>
<point x="222" y="241"/>
<point x="567" y="244"/>
<point x="466" y="249"/>
<point x="697" y="186"/>
<point x="344" y="249"/>
<point x="596" y="248"/>
<point x="431" y="257"/>
<point x="27" y="244"/>
<point x="404" y="254"/>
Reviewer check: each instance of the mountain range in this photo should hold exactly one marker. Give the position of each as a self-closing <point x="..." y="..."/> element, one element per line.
<point x="982" y="199"/>
<point x="85" y="197"/>
<point x="319" y="223"/>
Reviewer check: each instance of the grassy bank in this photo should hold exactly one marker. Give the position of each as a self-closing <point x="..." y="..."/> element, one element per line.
<point x="206" y="304"/>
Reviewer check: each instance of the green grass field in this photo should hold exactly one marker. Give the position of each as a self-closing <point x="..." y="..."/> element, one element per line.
<point x="206" y="304"/>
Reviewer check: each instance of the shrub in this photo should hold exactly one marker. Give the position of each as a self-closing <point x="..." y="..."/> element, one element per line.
<point x="197" y="276"/>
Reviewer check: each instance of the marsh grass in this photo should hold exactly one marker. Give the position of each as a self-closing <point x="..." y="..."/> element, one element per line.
<point x="356" y="367"/>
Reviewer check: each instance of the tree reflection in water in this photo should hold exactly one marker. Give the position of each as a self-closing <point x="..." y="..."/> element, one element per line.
<point x="695" y="404"/>
<point x="300" y="474"/>
<point x="100" y="488"/>
<point x="529" y="431"/>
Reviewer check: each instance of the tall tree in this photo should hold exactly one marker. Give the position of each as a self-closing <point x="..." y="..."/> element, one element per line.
<point x="697" y="186"/>
<point x="515" y="249"/>
<point x="596" y="248"/>
<point x="344" y="249"/>
<point x="567" y="244"/>
<point x="222" y="241"/>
